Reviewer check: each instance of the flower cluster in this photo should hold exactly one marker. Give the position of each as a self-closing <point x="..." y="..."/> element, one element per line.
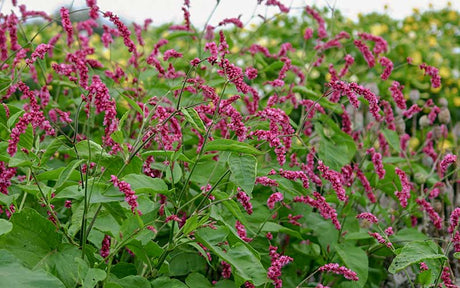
<point x="130" y="196"/>
<point x="340" y="270"/>
<point x="277" y="262"/>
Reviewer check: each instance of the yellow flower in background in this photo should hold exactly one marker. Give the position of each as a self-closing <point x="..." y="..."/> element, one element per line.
<point x="457" y="101"/>
<point x="379" y="29"/>
<point x="444" y="72"/>
<point x="445" y="145"/>
<point x="432" y="41"/>
<point x="413" y="143"/>
<point x="416" y="57"/>
<point x="452" y="16"/>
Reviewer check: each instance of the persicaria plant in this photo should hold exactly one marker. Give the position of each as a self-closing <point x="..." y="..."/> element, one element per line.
<point x="305" y="151"/>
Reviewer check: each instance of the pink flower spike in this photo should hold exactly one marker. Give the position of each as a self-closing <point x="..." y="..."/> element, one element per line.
<point x="446" y="162"/>
<point x="171" y="53"/>
<point x="366" y="52"/>
<point x="67" y="25"/>
<point x="388" y="65"/>
<point x="244" y="199"/>
<point x="340" y="270"/>
<point x="275" y="197"/>
<point x="368" y="216"/>
<point x="433" y="73"/>
<point x="404" y="194"/>
<point x="434" y="216"/>
<point x="126" y="189"/>
<point x="453" y="221"/>
<point x="241" y="230"/>
<point x="423" y="266"/>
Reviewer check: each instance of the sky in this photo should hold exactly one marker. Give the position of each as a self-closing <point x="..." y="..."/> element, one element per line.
<point x="162" y="11"/>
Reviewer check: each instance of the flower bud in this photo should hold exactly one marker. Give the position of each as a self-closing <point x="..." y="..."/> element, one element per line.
<point x="420" y="178"/>
<point x="427" y="161"/>
<point x="424" y="121"/>
<point x="400" y="125"/>
<point x="443" y="102"/>
<point x="437" y="132"/>
<point x="414" y="95"/>
<point x="444" y="115"/>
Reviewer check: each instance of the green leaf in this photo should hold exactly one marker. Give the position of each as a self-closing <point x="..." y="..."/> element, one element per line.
<point x="13" y="274"/>
<point x="170" y="155"/>
<point x="89" y="149"/>
<point x="457" y="255"/>
<point x="414" y="253"/>
<point x="355" y="259"/>
<point x="51" y="149"/>
<point x="165" y="282"/>
<point x="244" y="172"/>
<point x="277" y="228"/>
<point x="185" y="263"/>
<point x="175" y="174"/>
<point x="336" y="148"/>
<point x="392" y="138"/>
<point x="65" y="174"/>
<point x="193" y="118"/>
<point x="5" y="226"/>
<point x="246" y="265"/>
<point x="32" y="238"/>
<point x="231" y="145"/>
<point x="133" y="281"/>
<point x="12" y="120"/>
<point x="62" y="264"/>
<point x="197" y="280"/>
<point x="141" y="183"/>
<point x="93" y="276"/>
<point x="26" y="140"/>
<point x="133" y="104"/>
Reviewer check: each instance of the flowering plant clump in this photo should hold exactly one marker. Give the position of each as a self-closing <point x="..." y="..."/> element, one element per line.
<point x="305" y="151"/>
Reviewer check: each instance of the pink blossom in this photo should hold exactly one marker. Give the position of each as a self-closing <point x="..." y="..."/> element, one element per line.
<point x="414" y="109"/>
<point x="105" y="249"/>
<point x="294" y="175"/>
<point x="434" y="217"/>
<point x="124" y="31"/>
<point x="446" y="162"/>
<point x="349" y="60"/>
<point x="342" y="88"/>
<point x="396" y="93"/>
<point x="308" y="33"/>
<point x="377" y="161"/>
<point x="380" y="239"/>
<point x="453" y="221"/>
<point x="125" y="188"/>
<point x="241" y="230"/>
<point x="235" y="21"/>
<point x="244" y="199"/>
<point x="251" y="73"/>
<point x="368" y="216"/>
<point x="322" y="33"/>
<point x="423" y="266"/>
<point x="226" y="270"/>
<point x="94" y="9"/>
<point x="445" y="277"/>
<point x="265" y="181"/>
<point x="389" y="231"/>
<point x="293" y="219"/>
<point x="326" y="211"/>
<point x="282" y="8"/>
<point x="388" y="114"/>
<point x="39" y="52"/>
<point x="404" y="194"/>
<point x="433" y="73"/>
<point x="388" y="65"/>
<point x="335" y="178"/>
<point x="6" y="174"/>
<point x="275" y="197"/>
<point x="381" y="44"/>
<point x="456" y="241"/>
<point x="277" y="262"/>
<point x="340" y="270"/>
<point x="171" y="53"/>
<point x="366" y="52"/>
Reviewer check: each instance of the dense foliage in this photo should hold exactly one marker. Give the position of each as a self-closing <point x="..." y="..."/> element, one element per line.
<point x="300" y="152"/>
